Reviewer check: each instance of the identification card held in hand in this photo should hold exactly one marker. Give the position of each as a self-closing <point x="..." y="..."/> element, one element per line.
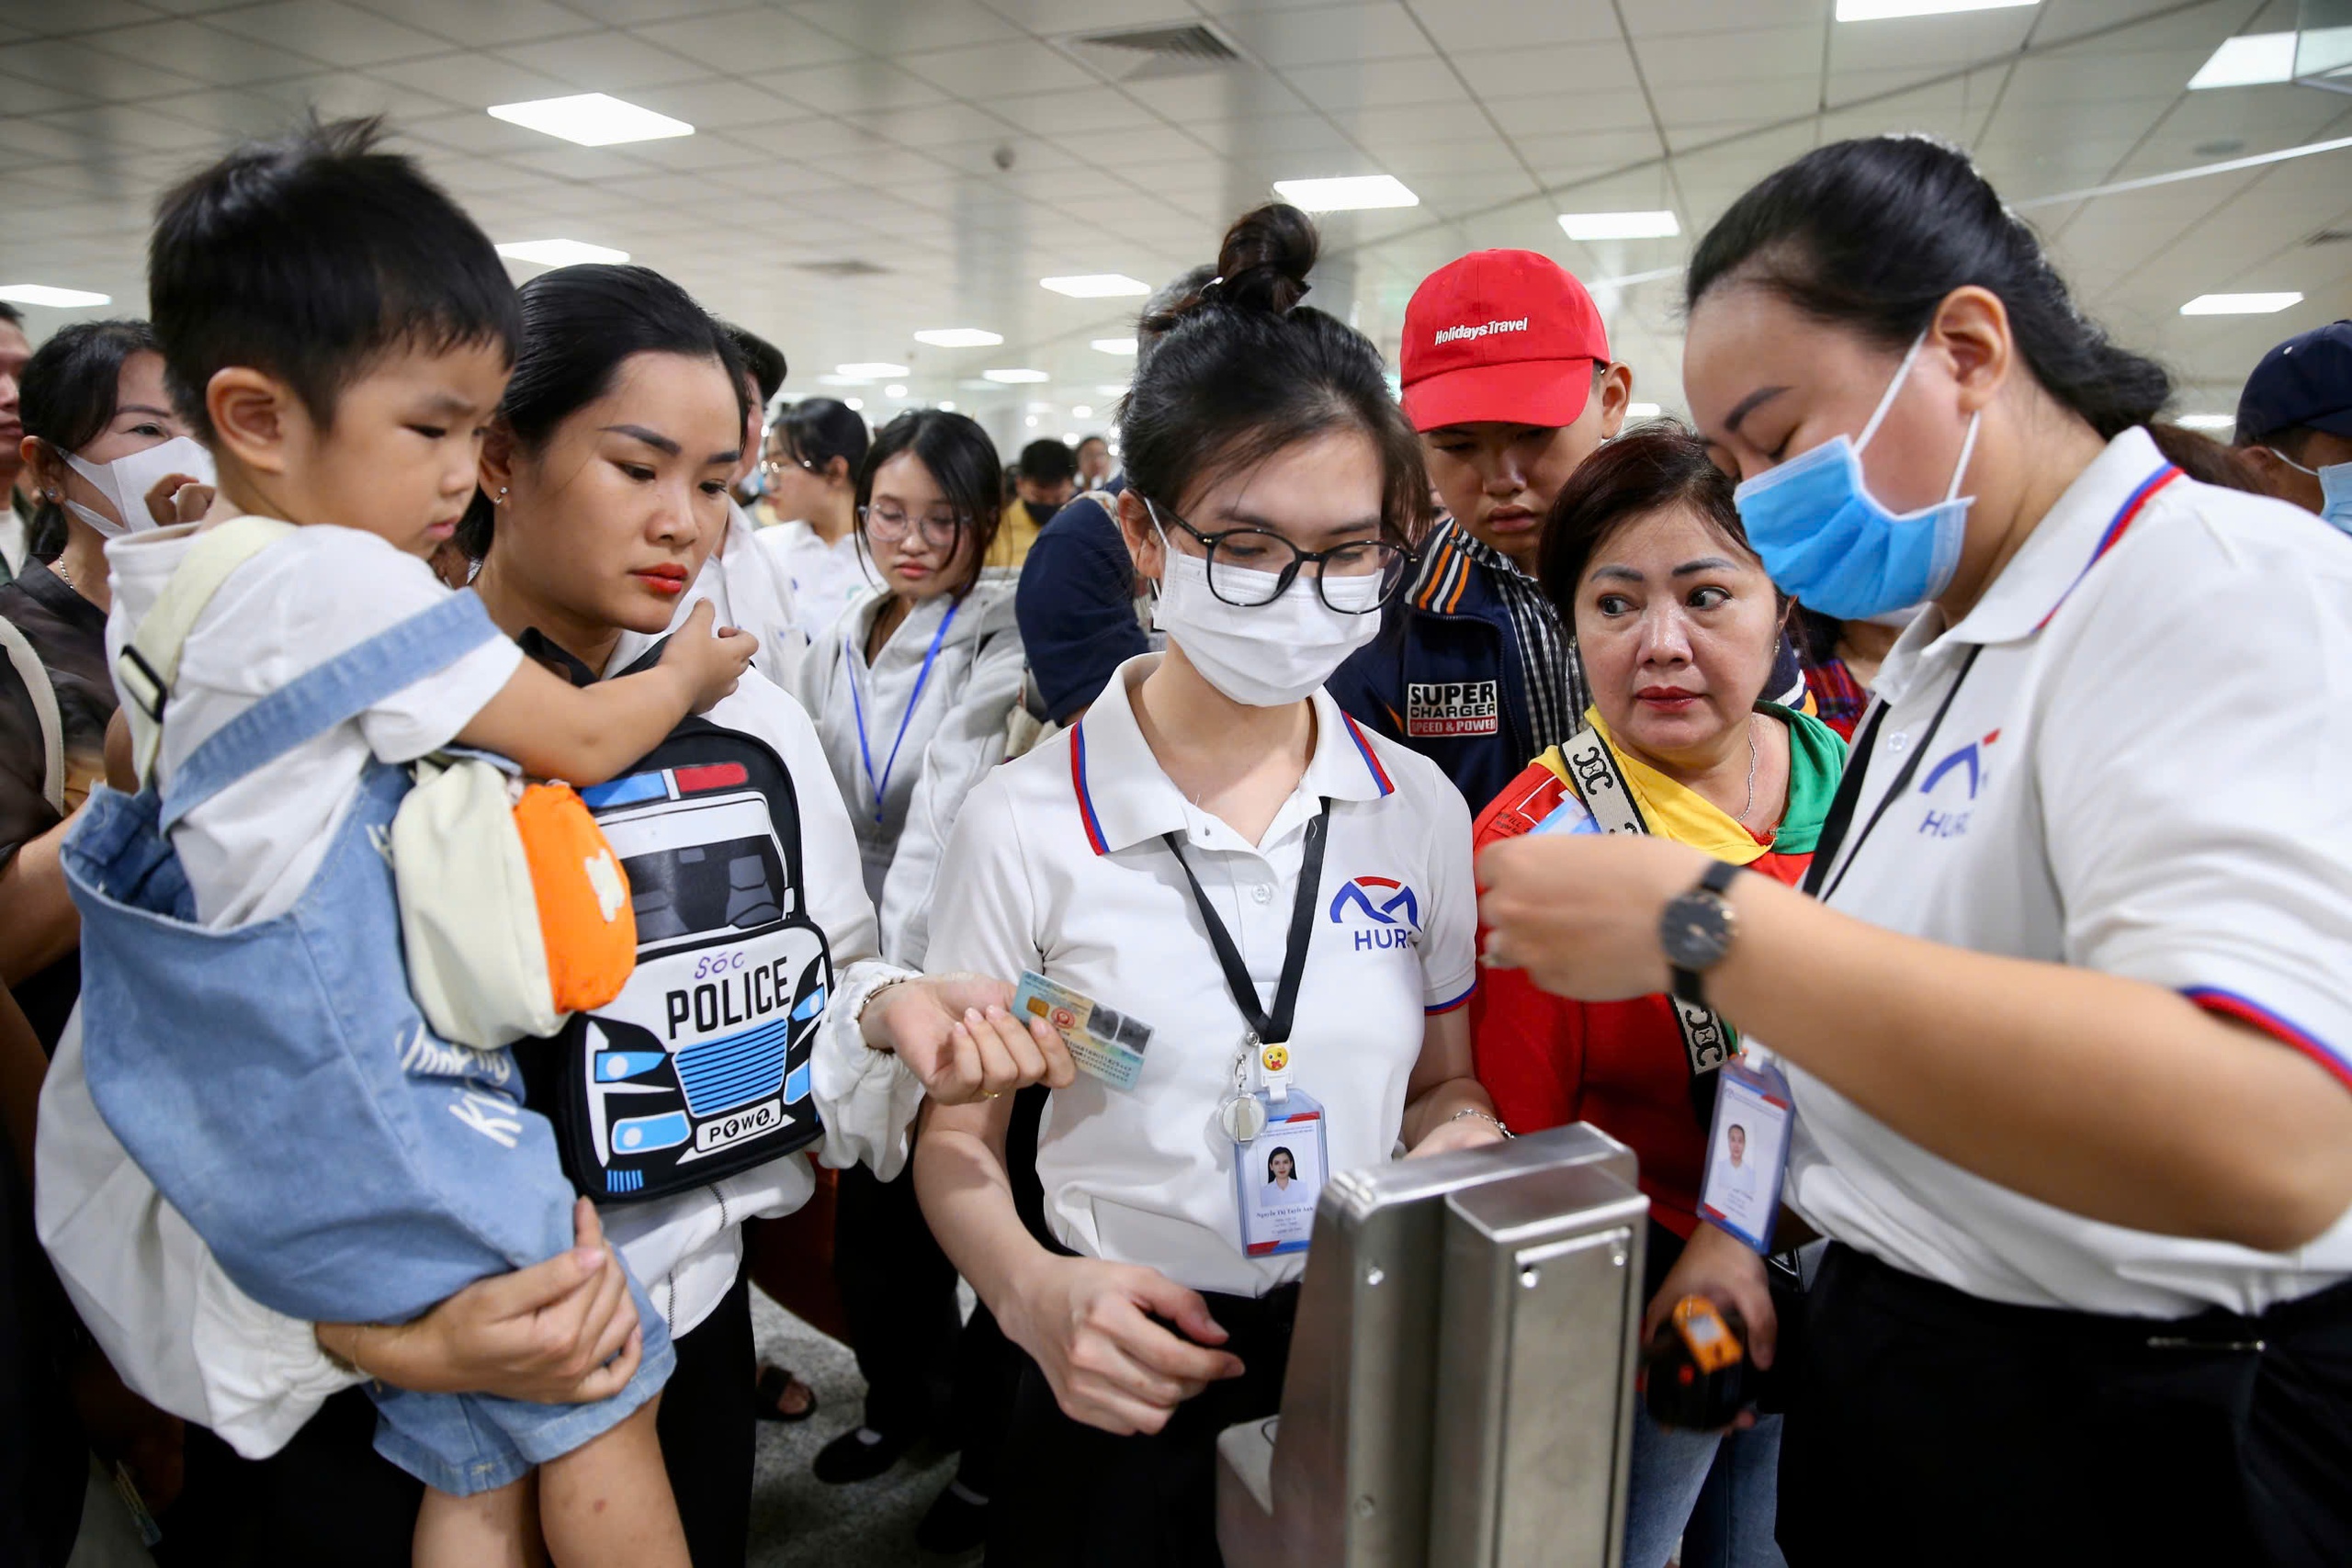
<point x="1107" y="1043"/>
<point x="1747" y="1151"/>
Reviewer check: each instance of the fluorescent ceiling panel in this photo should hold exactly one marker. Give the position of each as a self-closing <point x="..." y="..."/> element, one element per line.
<point x="959" y="337"/>
<point x="1883" y="10"/>
<point x="870" y="369"/>
<point x="1353" y="193"/>
<point x="42" y="294"/>
<point x="1619" y="225"/>
<point x="1014" y="377"/>
<point x="592" y="120"/>
<point x="2240" y="304"/>
<point x="561" y="253"/>
<point x="1097" y="286"/>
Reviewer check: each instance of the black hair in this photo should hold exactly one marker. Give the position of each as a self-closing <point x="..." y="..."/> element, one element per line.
<point x="309" y="256"/>
<point x="1279" y="1149"/>
<point x="963" y="464"/>
<point x="67" y="397"/>
<point x="1243" y="371"/>
<point x="1048" y="462"/>
<point x="762" y="358"/>
<point x="10" y="314"/>
<point x="579" y="324"/>
<point x="817" y="430"/>
<point x="1874" y="233"/>
<point x="1642" y="472"/>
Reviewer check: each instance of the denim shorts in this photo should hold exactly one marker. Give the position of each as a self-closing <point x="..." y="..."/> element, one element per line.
<point x="464" y="1443"/>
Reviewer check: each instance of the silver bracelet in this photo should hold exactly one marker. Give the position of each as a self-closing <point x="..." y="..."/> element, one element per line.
<point x="1483" y="1116"/>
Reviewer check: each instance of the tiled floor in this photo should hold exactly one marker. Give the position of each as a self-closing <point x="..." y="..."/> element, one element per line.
<point x="797" y="1521"/>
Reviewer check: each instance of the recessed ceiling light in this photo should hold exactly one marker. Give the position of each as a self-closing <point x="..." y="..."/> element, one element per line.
<point x="1036" y="406"/>
<point x="1880" y="10"/>
<point x="870" y="370"/>
<point x="1353" y="193"/>
<point x="947" y="405"/>
<point x="1082" y="411"/>
<point x="2207" y="421"/>
<point x="895" y="389"/>
<point x="1015" y="377"/>
<point x="856" y="404"/>
<point x="1643" y="411"/>
<point x="1069" y="437"/>
<point x="959" y="337"/>
<point x="2240" y="304"/>
<point x="2248" y="60"/>
<point x="844" y="380"/>
<point x="561" y="253"/>
<point x="1120" y="346"/>
<point x="593" y="119"/>
<point x="1097" y="286"/>
<point x="1620" y="225"/>
<point x="1032" y="421"/>
<point x="42" y="294"/>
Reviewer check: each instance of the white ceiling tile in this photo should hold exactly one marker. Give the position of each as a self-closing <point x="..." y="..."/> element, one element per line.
<point x="1655" y="18"/>
<point x="194" y="49"/>
<point x="850" y="87"/>
<point x="1144" y="144"/>
<point x="1239" y="93"/>
<point x="637" y="13"/>
<point x="21" y="96"/>
<point x="1730" y="103"/>
<point x="932" y="125"/>
<point x="1389" y="129"/>
<point x="997" y="70"/>
<point x="88" y="16"/>
<point x="91" y="73"/>
<point x="711" y="103"/>
<point x="746" y="42"/>
<point x="1458" y="24"/>
<point x="476" y="79"/>
<point x="335" y="34"/>
<point x="1324" y="35"/>
<point x="605" y="63"/>
<point x="1357" y="84"/>
<point x="1733" y="55"/>
<point x="1550" y="118"/>
<point x="907" y="24"/>
<point x="1075" y="111"/>
<point x="477" y="24"/>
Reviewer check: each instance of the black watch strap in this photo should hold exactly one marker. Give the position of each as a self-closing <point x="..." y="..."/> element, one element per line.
<point x="1690" y="984"/>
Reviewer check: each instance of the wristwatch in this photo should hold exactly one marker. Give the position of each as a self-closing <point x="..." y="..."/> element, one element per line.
<point x="1696" y="929"/>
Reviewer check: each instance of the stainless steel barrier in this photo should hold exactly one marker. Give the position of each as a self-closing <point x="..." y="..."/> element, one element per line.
<point x="1462" y="1376"/>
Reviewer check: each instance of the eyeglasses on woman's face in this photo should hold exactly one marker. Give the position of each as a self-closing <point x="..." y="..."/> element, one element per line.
<point x="890" y="523"/>
<point x="1250" y="567"/>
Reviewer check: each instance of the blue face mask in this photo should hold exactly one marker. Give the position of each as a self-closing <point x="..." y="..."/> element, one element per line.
<point x="2335" y="488"/>
<point x="1828" y="542"/>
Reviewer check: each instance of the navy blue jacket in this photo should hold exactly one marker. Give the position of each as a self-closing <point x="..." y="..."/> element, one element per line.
<point x="1445" y="676"/>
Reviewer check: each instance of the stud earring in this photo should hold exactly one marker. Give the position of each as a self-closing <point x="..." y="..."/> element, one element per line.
<point x="501" y="497"/>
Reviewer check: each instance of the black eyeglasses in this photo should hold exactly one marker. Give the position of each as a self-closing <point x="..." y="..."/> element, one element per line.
<point x="1250" y="567"/>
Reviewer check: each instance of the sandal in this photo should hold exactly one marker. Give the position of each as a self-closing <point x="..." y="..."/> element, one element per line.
<point x="775" y="1383"/>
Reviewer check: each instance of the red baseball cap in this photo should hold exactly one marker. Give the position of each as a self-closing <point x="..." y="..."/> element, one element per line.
<point x="1501" y="336"/>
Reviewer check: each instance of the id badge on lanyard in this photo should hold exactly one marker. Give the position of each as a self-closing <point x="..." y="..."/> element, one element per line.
<point x="1279" y="1149"/>
<point x="1747" y="1151"/>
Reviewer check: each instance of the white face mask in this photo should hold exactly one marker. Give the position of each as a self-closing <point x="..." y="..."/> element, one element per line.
<point x="126" y="481"/>
<point x="1267" y="655"/>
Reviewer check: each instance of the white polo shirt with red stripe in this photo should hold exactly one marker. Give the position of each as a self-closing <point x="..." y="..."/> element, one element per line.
<point x="1057" y="864"/>
<point x="2146" y="772"/>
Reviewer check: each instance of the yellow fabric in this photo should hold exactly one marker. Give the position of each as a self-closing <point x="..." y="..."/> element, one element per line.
<point x="1015" y="532"/>
<point x="1673" y="810"/>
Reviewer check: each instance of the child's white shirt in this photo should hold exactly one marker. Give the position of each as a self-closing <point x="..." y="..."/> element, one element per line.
<point x="251" y="850"/>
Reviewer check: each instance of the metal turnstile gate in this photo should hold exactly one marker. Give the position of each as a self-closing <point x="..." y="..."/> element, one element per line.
<point x="1461" y="1379"/>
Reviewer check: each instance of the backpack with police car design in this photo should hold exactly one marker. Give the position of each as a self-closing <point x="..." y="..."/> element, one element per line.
<point x="699" y="1068"/>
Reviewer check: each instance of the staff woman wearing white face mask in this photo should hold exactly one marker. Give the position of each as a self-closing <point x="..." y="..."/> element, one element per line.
<point x="105" y="452"/>
<point x="1270" y="909"/>
<point x="2069" y="1035"/>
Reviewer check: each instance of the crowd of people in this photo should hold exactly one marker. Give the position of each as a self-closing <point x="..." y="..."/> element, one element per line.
<point x="1046" y="876"/>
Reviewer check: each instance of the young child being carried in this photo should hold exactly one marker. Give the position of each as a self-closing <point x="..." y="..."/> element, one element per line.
<point x="339" y="334"/>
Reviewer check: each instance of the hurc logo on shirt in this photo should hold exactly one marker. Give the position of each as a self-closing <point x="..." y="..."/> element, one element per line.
<point x="1476" y="329"/>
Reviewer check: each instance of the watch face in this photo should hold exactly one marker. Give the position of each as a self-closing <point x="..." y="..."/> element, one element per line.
<point x="1696" y="930"/>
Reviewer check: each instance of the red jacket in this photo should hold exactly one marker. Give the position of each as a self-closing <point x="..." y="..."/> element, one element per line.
<point x="1620" y="1065"/>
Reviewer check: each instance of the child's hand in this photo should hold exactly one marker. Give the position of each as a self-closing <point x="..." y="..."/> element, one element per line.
<point x="712" y="658"/>
<point x="178" y="498"/>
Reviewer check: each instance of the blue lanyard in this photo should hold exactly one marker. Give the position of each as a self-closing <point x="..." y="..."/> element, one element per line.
<point x="848" y="654"/>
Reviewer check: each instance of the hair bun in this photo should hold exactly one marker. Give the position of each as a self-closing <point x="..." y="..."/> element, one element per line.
<point x="1265" y="259"/>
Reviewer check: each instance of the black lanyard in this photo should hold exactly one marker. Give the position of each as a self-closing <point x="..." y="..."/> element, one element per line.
<point x="1274" y="1030"/>
<point x="1849" y="787"/>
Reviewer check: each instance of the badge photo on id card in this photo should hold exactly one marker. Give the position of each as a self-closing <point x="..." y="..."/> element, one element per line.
<point x="1747" y="1152"/>
<point x="1278" y="1175"/>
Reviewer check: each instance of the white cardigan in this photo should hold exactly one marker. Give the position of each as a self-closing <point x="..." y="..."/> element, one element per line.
<point x="953" y="735"/>
<point x="188" y="1340"/>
